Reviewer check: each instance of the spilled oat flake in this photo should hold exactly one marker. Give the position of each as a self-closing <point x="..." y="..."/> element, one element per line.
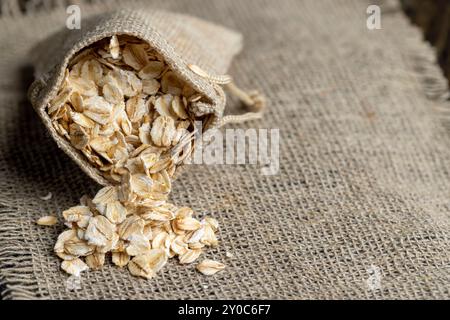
<point x="47" y="197"/>
<point x="210" y="267"/>
<point x="127" y="112"/>
<point x="47" y="221"/>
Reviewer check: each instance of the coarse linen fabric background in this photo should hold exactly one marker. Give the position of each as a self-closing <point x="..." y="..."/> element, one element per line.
<point x="360" y="208"/>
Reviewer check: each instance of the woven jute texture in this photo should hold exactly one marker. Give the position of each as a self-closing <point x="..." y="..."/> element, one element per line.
<point x="180" y="39"/>
<point x="359" y="209"/>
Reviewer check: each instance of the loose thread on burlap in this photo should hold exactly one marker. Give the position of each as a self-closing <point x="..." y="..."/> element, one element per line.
<point x="253" y="100"/>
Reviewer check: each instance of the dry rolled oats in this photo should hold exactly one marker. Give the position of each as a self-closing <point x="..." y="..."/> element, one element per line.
<point x="140" y="266"/>
<point x="138" y="245"/>
<point x="78" y="216"/>
<point x="209" y="267"/>
<point x="190" y="256"/>
<point x="124" y="109"/>
<point x="47" y="221"/>
<point x="188" y="224"/>
<point x="120" y="259"/>
<point x="114" y="47"/>
<point x="74" y="267"/>
<point x="95" y="260"/>
<point x="48" y="196"/>
<point x="100" y="231"/>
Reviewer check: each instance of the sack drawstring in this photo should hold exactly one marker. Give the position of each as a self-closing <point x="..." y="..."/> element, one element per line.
<point x="253" y="100"/>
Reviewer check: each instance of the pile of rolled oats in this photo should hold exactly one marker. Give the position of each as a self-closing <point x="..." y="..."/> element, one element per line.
<point x="140" y="235"/>
<point x="128" y="113"/>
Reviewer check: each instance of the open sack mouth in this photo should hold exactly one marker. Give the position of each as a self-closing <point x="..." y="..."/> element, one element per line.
<point x="126" y="110"/>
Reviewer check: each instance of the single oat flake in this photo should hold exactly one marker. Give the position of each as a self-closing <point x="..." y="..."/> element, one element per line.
<point x="47" y="221"/>
<point x="209" y="267"/>
<point x="47" y="197"/>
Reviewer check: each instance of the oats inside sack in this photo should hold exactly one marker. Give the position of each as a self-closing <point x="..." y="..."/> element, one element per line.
<point x="123" y="108"/>
<point x="127" y="112"/>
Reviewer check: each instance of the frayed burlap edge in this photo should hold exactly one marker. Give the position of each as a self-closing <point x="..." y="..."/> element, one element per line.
<point x="17" y="276"/>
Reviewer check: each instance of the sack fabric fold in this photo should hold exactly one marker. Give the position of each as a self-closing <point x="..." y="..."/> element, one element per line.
<point x="359" y="208"/>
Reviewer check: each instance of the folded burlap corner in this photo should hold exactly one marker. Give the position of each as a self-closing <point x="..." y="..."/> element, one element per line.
<point x="182" y="41"/>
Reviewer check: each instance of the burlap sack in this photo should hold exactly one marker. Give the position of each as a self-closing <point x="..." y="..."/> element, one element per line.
<point x="181" y="40"/>
<point x="360" y="207"/>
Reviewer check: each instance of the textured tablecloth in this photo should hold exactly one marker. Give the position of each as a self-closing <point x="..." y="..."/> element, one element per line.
<point x="359" y="209"/>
